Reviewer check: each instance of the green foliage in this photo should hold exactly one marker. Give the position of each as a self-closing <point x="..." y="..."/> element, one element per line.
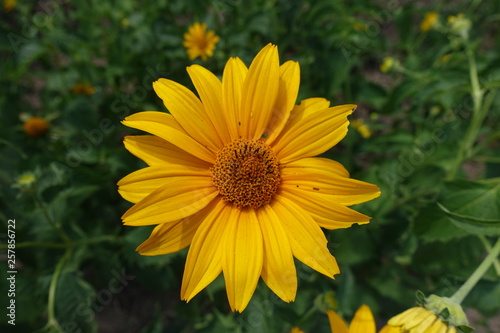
<point x="433" y="151"/>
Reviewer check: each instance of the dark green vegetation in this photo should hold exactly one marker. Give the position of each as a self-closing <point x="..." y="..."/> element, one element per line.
<point x="433" y="151"/>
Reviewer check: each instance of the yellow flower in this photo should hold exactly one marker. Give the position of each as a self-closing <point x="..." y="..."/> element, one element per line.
<point x="26" y="180"/>
<point x="296" y="330"/>
<point x="444" y="59"/>
<point x="429" y="21"/>
<point x="35" y="126"/>
<point x="8" y="5"/>
<point x="232" y="175"/>
<point x="362" y="322"/>
<point x="360" y="26"/>
<point x="420" y="319"/>
<point x="387" y="64"/>
<point x="460" y="25"/>
<point x="362" y="128"/>
<point x="452" y="18"/>
<point x="199" y="42"/>
<point x="83" y="89"/>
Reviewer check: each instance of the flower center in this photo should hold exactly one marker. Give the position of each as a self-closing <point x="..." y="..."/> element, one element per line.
<point x="246" y="173"/>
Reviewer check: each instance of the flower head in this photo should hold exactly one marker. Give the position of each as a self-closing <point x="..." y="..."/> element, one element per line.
<point x="459" y="25"/>
<point x="83" y="89"/>
<point x="35" y="126"/>
<point x="296" y="330"/>
<point x="387" y="64"/>
<point x="429" y="21"/>
<point x="419" y="319"/>
<point x="360" y="26"/>
<point x="199" y="42"/>
<point x="362" y="128"/>
<point x="8" y="5"/>
<point x="445" y="58"/>
<point x="231" y="174"/>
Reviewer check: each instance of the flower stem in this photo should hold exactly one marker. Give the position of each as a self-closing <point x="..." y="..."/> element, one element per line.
<point x="464" y="290"/>
<point x="487" y="245"/>
<point x="52" y="320"/>
<point x="478" y="115"/>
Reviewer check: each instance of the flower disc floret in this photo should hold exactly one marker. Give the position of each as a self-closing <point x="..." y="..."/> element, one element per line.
<point x="246" y="173"/>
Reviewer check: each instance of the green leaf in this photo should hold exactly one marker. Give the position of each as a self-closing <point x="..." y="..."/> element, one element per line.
<point x="420" y="296"/>
<point x="473" y="206"/>
<point x="431" y="224"/>
<point x="473" y="224"/>
<point x="74" y="303"/>
<point x="465" y="329"/>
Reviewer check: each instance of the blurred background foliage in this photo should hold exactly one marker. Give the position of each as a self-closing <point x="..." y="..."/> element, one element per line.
<point x="82" y="66"/>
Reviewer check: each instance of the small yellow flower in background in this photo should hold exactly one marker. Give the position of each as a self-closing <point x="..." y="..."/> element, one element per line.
<point x="362" y="322"/>
<point x="8" y="5"/>
<point x="26" y="179"/>
<point x="387" y="64"/>
<point x="232" y="175"/>
<point x="26" y="182"/>
<point x="360" y="26"/>
<point x="445" y="58"/>
<point x="35" y="126"/>
<point x="429" y="21"/>
<point x="460" y="25"/>
<point x="362" y="128"/>
<point x="83" y="89"/>
<point x="199" y="42"/>
<point x="296" y="330"/>
<point x="452" y="18"/>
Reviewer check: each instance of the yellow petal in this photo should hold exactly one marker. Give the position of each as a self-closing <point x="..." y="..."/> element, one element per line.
<point x="306" y="107"/>
<point x="167" y="128"/>
<point x="188" y="111"/>
<point x="233" y="77"/>
<point x="175" y="200"/>
<point x="452" y="330"/>
<point x="209" y="88"/>
<point x="242" y="257"/>
<point x="317" y="164"/>
<point x="139" y="184"/>
<point x="408" y="315"/>
<point x="278" y="270"/>
<point x="287" y="95"/>
<point x="204" y="259"/>
<point x="307" y="137"/>
<point x="363" y="321"/>
<point x="337" y="324"/>
<point x="145" y="185"/>
<point x="390" y="329"/>
<point x="312" y="175"/>
<point x="259" y="94"/>
<point x="156" y="151"/>
<point x="306" y="238"/>
<point x="424" y="325"/>
<point x="175" y="236"/>
<point x="438" y="327"/>
<point x="324" y="210"/>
